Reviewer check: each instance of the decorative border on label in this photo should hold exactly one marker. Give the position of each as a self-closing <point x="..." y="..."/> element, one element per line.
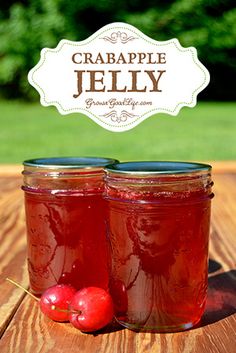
<point x="119" y="36"/>
<point x="122" y="117"/>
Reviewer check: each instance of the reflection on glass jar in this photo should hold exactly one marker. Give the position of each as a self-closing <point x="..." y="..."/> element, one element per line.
<point x="65" y="215"/>
<point x="158" y="220"/>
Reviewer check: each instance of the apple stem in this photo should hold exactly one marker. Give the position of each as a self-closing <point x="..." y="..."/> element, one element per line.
<point x="19" y="286"/>
<point x="53" y="307"/>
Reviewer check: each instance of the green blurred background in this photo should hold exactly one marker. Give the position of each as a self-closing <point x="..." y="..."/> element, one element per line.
<point x="206" y="132"/>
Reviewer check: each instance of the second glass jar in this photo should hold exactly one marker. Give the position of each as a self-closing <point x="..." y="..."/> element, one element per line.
<point x="158" y="225"/>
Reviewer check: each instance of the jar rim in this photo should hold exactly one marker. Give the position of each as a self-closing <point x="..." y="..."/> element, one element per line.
<point x="69" y="162"/>
<point x="157" y="167"/>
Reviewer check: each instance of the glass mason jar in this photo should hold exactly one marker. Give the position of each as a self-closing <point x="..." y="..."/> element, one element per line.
<point x="158" y="226"/>
<point x="65" y="222"/>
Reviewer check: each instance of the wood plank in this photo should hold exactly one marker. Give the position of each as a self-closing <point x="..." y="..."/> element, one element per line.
<point x="221" y="303"/>
<point x="222" y="167"/>
<point x="10" y="170"/>
<point x="12" y="248"/>
<point x="223" y="244"/>
<point x="219" y="167"/>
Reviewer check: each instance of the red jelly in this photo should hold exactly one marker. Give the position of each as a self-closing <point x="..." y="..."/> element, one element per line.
<point x="158" y="222"/>
<point x="65" y="215"/>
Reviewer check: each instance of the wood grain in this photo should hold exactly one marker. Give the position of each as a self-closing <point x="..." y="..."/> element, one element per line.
<point x="26" y="330"/>
<point x="12" y="247"/>
<point x="223" y="237"/>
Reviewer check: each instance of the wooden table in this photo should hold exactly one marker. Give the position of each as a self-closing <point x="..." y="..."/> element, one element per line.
<point x="24" y="329"/>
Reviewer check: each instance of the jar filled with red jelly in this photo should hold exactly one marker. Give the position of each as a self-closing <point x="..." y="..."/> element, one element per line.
<point x="158" y="227"/>
<point x="65" y="218"/>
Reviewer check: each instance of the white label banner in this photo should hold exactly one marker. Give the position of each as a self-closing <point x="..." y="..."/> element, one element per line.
<point x="119" y="77"/>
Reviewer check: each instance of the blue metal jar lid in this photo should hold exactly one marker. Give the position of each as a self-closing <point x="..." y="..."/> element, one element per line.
<point x="157" y="167"/>
<point x="69" y="162"/>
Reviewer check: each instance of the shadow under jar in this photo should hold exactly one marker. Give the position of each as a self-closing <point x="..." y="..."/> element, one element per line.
<point x="65" y="218"/>
<point x="158" y="225"/>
